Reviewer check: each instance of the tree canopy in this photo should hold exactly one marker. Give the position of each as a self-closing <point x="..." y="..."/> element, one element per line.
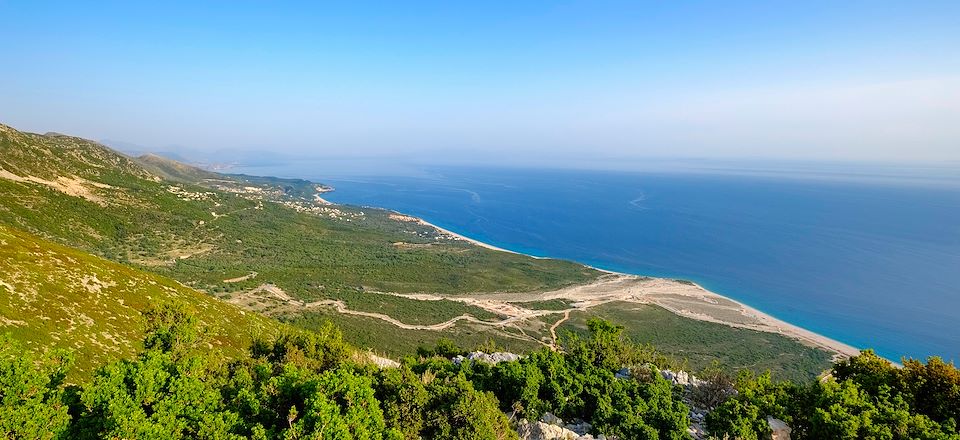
<point x="312" y="385"/>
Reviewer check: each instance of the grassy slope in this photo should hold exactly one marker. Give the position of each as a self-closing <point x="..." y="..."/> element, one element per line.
<point x="701" y="342"/>
<point x="197" y="229"/>
<point x="52" y="296"/>
<point x="384" y="338"/>
<point x="412" y="311"/>
<point x="155" y="224"/>
<point x="179" y="172"/>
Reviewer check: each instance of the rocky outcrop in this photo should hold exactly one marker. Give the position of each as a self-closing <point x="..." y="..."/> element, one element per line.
<point x="699" y="395"/>
<point x="697" y="429"/>
<point x="383" y="362"/>
<point x="681" y="378"/>
<point x="778" y="429"/>
<point x="546" y="431"/>
<point x="487" y="358"/>
<point x="551" y="427"/>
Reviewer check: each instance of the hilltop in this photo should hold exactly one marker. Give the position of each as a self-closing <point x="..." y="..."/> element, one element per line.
<point x="173" y="170"/>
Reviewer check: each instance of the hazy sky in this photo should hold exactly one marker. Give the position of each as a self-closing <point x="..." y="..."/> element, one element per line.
<point x="871" y="80"/>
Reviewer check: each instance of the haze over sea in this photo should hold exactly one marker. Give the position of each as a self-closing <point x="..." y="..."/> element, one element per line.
<point x="870" y="258"/>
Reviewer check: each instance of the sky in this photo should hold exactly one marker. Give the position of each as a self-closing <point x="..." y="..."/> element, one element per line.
<point x="493" y="81"/>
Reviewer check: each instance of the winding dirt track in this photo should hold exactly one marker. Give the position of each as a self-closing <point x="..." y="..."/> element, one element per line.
<point x="340" y="307"/>
<point x="553" y="328"/>
<point x="682" y="298"/>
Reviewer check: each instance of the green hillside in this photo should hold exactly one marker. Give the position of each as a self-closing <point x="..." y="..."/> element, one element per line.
<point x="267" y="245"/>
<point x="55" y="297"/>
<point x="82" y="194"/>
<point x="277" y="188"/>
<point x="174" y="171"/>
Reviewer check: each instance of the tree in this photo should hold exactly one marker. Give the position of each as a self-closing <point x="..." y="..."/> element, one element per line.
<point x="581" y="383"/>
<point x="867" y="369"/>
<point x="865" y="398"/>
<point x="339" y="405"/>
<point x="933" y="389"/>
<point x="32" y="393"/>
<point x="457" y="411"/>
<point x="169" y="391"/>
<point x="744" y="416"/>
<point x="403" y="398"/>
<point x="171" y="327"/>
<point x="314" y="350"/>
<point x="443" y="348"/>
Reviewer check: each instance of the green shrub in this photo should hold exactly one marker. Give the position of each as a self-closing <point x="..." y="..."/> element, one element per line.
<point x="32" y="397"/>
<point x="866" y="398"/>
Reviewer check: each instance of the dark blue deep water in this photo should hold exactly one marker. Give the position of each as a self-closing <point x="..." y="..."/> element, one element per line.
<point x="872" y="264"/>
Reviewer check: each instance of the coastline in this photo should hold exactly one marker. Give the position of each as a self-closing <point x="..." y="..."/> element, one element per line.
<point x="681" y="297"/>
<point x="462" y="237"/>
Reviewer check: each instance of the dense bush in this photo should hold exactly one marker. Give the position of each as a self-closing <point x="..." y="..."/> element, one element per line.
<point x="32" y="403"/>
<point x="865" y="397"/>
<point x="312" y="385"/>
<point x="303" y="385"/>
<point x="582" y="383"/>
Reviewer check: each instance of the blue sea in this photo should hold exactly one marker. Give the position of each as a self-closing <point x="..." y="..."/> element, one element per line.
<point x="872" y="260"/>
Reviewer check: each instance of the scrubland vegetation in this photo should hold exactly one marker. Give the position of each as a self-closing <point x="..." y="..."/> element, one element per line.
<point x="114" y="310"/>
<point x="306" y="385"/>
<point x="207" y="230"/>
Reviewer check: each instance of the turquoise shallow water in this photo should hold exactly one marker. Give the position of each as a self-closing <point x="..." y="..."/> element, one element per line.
<point x="872" y="264"/>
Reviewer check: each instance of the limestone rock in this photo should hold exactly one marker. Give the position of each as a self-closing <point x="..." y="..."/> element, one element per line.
<point x="546" y="431"/>
<point x="551" y="419"/>
<point x="581" y="427"/>
<point x="551" y="427"/>
<point x="487" y="358"/>
<point x="383" y="362"/>
<point x="681" y="378"/>
<point x="779" y="429"/>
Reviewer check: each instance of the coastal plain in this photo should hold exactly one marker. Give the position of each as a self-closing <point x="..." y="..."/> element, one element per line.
<point x="682" y="297"/>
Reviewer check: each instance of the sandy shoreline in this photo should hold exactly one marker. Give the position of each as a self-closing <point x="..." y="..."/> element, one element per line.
<point x="470" y="240"/>
<point x="771" y="324"/>
<point x="683" y="298"/>
<point x="687" y="299"/>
